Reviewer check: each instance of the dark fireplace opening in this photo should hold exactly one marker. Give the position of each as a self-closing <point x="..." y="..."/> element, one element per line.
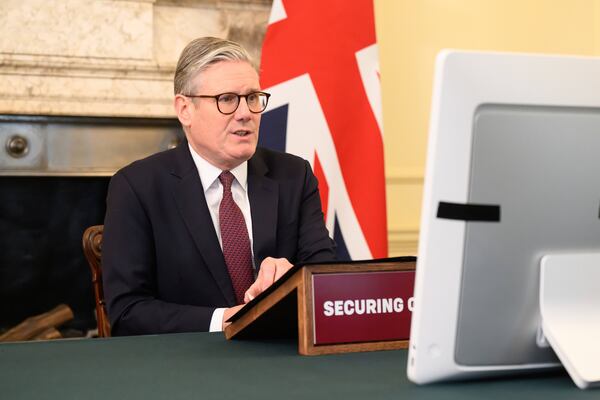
<point x="42" y="219"/>
<point x="54" y="175"/>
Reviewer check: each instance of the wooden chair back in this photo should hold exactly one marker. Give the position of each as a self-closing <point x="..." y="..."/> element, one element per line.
<point x="92" y="248"/>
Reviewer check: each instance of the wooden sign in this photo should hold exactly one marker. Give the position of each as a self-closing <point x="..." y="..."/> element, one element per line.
<point x="333" y="308"/>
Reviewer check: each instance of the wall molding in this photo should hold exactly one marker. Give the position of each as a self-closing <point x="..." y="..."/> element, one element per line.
<point x="404" y="175"/>
<point x="403" y="241"/>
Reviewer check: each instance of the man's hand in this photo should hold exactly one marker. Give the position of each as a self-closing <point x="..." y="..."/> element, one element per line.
<point x="271" y="269"/>
<point x="228" y="313"/>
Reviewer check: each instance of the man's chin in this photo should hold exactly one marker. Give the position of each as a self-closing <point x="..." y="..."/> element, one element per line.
<point x="247" y="150"/>
<point x="242" y="156"/>
<point x="248" y="155"/>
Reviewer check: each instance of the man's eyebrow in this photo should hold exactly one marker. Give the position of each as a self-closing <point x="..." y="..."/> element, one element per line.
<point x="244" y="92"/>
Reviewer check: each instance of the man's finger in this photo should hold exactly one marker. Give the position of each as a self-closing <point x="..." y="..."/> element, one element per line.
<point x="249" y="295"/>
<point x="283" y="266"/>
<point x="266" y="275"/>
<point x="252" y="292"/>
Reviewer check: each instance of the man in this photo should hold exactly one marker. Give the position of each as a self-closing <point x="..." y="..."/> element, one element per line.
<point x="187" y="230"/>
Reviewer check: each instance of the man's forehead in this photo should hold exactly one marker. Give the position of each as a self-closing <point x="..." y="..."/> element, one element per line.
<point x="228" y="75"/>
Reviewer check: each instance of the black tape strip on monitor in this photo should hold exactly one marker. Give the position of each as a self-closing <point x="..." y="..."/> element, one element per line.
<point x="469" y="212"/>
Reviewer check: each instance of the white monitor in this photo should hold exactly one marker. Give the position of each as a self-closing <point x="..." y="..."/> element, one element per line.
<point x="513" y="176"/>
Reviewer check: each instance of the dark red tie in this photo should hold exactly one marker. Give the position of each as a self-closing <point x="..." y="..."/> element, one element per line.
<point x="236" y="243"/>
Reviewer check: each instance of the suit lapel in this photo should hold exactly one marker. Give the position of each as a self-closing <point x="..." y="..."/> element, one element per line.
<point x="263" y="193"/>
<point x="190" y="200"/>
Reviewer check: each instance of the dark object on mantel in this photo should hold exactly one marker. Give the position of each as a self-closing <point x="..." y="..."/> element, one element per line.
<point x="92" y="248"/>
<point x="40" y="327"/>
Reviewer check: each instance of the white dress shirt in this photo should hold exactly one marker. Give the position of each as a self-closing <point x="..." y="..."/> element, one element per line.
<point x="213" y="192"/>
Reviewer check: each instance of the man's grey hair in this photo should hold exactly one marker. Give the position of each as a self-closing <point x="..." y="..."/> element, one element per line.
<point x="201" y="53"/>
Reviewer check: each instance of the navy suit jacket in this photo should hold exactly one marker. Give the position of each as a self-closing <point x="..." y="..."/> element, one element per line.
<point x="163" y="267"/>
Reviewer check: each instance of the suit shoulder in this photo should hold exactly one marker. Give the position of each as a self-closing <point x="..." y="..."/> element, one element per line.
<point x="278" y="159"/>
<point x="155" y="162"/>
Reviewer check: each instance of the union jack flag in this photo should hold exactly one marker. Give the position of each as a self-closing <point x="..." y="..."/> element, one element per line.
<point x="320" y="63"/>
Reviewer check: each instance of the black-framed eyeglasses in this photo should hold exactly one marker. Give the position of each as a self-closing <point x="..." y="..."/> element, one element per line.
<point x="227" y="103"/>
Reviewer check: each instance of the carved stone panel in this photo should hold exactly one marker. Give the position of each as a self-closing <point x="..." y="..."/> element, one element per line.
<point x="109" y="57"/>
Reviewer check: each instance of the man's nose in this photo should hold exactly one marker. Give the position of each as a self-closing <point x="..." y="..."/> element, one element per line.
<point x="243" y="112"/>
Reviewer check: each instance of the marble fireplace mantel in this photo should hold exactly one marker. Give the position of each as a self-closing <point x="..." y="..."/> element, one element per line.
<point x="109" y="57"/>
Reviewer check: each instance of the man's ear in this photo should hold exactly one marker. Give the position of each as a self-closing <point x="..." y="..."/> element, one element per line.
<point x="183" y="109"/>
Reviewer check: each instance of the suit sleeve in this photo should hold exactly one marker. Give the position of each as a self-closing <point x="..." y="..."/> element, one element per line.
<point x="314" y="243"/>
<point x="129" y="271"/>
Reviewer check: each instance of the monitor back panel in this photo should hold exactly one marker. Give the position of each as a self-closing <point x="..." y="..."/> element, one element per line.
<point x="541" y="166"/>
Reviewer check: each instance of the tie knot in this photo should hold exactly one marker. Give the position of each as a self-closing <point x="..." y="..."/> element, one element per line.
<point x="226" y="179"/>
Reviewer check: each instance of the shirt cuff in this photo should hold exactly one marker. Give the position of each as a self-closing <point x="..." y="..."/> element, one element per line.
<point x="216" y="322"/>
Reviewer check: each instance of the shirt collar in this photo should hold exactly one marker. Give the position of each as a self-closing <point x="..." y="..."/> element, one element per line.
<point x="209" y="173"/>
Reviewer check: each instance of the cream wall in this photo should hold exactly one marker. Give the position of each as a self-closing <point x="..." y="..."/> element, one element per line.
<point x="411" y="32"/>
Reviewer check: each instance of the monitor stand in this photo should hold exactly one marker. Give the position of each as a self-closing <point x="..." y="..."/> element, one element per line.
<point x="570" y="310"/>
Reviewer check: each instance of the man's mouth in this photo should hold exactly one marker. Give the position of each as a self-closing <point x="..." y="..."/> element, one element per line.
<point x="241" y="132"/>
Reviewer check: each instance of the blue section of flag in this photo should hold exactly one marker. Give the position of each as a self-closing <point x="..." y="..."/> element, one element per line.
<point x="341" y="250"/>
<point x="273" y="129"/>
